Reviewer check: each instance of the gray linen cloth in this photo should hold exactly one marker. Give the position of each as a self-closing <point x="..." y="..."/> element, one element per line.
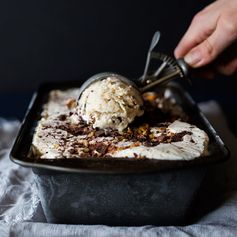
<point x="21" y="213"/>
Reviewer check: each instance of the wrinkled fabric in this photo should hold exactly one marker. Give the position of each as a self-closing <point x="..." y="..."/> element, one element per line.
<point x="21" y="213"/>
<point x="18" y="195"/>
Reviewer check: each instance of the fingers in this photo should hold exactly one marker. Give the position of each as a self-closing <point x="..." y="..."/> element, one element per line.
<point x="194" y="36"/>
<point x="212" y="70"/>
<point x="211" y="32"/>
<point x="214" y="45"/>
<point x="202" y="26"/>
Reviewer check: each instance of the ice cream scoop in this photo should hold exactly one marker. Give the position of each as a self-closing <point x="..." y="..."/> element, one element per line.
<point x="110" y="103"/>
<point x="166" y="69"/>
<point x="111" y="100"/>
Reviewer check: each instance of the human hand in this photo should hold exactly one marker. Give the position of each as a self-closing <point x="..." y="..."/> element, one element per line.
<point x="211" y="39"/>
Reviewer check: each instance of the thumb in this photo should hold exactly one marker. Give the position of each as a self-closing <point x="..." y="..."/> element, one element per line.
<point x="209" y="49"/>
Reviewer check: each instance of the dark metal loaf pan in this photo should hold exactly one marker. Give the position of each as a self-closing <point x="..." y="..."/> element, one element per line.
<point x="111" y="191"/>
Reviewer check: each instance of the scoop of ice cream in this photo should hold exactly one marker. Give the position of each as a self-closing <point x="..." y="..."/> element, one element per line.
<point x="110" y="103"/>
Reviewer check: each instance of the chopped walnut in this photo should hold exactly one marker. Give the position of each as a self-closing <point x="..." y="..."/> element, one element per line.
<point x="71" y="103"/>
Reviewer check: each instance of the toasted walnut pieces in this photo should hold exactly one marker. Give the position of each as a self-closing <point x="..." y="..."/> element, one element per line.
<point x="84" y="141"/>
<point x="71" y="103"/>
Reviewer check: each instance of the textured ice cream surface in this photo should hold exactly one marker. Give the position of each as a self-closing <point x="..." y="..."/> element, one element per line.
<point x="190" y="142"/>
<point x="110" y="103"/>
<point x="60" y="102"/>
<point x="62" y="133"/>
<point x="173" y="141"/>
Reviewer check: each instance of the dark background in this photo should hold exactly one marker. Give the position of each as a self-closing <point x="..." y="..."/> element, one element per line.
<point x="72" y="40"/>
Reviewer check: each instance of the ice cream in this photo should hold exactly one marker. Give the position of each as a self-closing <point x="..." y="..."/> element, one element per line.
<point x="174" y="141"/>
<point x="110" y="103"/>
<point x="186" y="142"/>
<point x="62" y="133"/>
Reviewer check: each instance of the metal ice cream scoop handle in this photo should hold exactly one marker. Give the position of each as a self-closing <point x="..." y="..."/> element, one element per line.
<point x="167" y="69"/>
